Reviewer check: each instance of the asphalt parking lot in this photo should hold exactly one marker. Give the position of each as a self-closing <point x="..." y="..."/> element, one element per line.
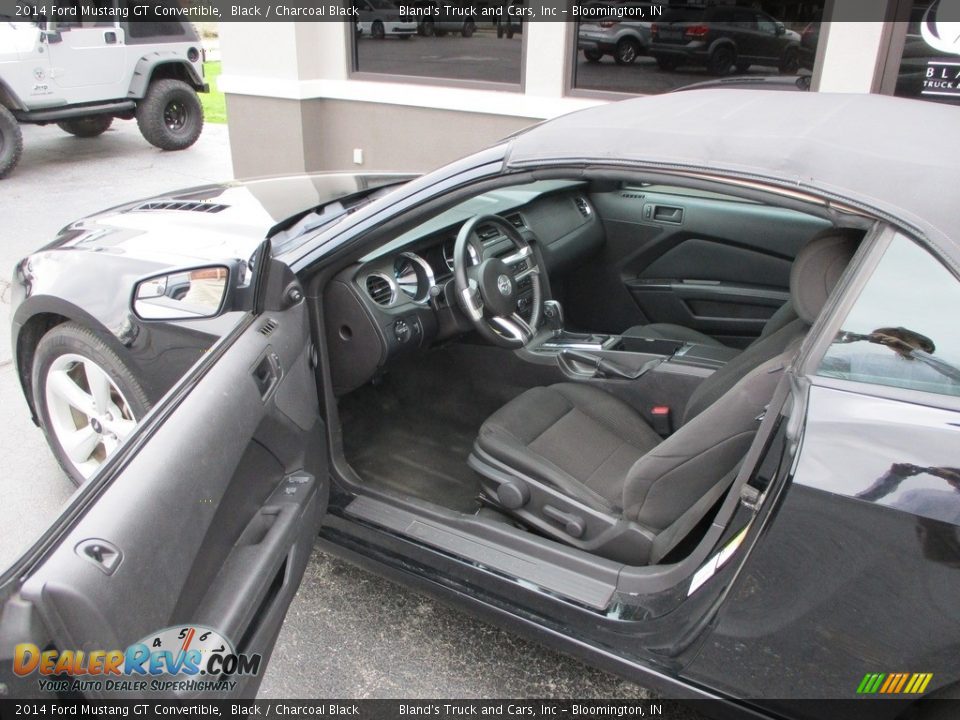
<point x="349" y="634"/>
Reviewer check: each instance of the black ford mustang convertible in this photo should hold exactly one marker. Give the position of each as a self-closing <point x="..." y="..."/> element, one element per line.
<point x="680" y="398"/>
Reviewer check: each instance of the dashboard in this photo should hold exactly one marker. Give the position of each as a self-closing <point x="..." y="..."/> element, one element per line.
<point x="401" y="296"/>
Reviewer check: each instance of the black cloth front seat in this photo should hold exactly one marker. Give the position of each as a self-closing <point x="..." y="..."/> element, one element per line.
<point x="784" y="315"/>
<point x="584" y="467"/>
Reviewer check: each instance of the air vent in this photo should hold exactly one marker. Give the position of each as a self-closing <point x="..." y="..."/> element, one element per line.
<point x="633" y="195"/>
<point x="583" y="206"/>
<point x="379" y="289"/>
<point x="487" y="232"/>
<point x="200" y="207"/>
<point x="516" y="220"/>
<point x="268" y="327"/>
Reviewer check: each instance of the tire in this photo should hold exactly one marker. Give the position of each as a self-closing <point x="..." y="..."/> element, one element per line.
<point x="11" y="142"/>
<point x="500" y="30"/>
<point x="722" y="61"/>
<point x="509" y="33"/>
<point x="68" y="356"/>
<point x="592" y="55"/>
<point x="376" y="31"/>
<point x="790" y="62"/>
<point x="667" y="64"/>
<point x="170" y="117"/>
<point x="626" y="51"/>
<point x="469" y="27"/>
<point x="87" y="127"/>
<point x="742" y="67"/>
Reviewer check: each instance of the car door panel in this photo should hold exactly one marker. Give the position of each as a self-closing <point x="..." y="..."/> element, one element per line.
<point x="717" y="265"/>
<point x="862" y="540"/>
<point x="213" y="518"/>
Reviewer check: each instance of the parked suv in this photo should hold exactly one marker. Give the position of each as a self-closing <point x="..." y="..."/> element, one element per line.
<point x="82" y="75"/>
<point x="723" y="38"/>
<point x="625" y="40"/>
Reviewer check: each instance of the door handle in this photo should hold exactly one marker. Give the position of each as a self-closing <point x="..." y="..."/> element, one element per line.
<point x="110" y="37"/>
<point x="267" y="373"/>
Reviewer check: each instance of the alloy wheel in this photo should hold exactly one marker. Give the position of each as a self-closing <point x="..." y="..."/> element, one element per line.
<point x="89" y="415"/>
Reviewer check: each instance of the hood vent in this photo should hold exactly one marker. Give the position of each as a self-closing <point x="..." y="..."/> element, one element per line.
<point x="201" y="207"/>
<point x="379" y="289"/>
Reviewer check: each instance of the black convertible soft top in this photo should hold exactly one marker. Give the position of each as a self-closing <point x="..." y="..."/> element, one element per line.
<point x="898" y="156"/>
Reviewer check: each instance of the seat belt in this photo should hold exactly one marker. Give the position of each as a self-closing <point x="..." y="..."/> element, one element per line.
<point x="668" y="538"/>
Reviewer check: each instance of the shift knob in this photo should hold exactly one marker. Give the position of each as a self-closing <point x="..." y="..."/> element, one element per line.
<point x="553" y="315"/>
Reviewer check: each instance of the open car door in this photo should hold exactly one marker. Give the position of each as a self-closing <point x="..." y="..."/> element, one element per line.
<point x="170" y="573"/>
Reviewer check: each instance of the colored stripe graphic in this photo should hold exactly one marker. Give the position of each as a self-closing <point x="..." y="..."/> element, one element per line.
<point x="894" y="683"/>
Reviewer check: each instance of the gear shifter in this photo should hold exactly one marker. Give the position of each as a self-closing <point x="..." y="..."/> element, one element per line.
<point x="553" y="315"/>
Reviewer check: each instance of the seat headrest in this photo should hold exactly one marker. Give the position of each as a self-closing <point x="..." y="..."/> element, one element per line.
<point x="818" y="268"/>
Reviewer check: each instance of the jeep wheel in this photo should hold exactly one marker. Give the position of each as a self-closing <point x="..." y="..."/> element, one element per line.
<point x="626" y="52"/>
<point x="170" y="117"/>
<point x="592" y="55"/>
<point x="11" y="142"/>
<point x="87" y="127"/>
<point x="722" y="61"/>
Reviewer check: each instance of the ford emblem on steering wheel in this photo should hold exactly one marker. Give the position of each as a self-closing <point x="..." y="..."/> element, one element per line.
<point x="503" y="285"/>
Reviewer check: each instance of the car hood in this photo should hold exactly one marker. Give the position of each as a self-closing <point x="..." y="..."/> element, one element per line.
<point x="211" y="222"/>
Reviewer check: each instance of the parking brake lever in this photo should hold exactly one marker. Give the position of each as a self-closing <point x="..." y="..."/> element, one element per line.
<point x="608" y="367"/>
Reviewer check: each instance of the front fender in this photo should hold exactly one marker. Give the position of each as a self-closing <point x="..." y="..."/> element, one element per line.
<point x="148" y="64"/>
<point x="94" y="290"/>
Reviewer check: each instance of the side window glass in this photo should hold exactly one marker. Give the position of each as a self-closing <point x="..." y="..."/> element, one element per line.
<point x="766" y="25"/>
<point x="902" y="330"/>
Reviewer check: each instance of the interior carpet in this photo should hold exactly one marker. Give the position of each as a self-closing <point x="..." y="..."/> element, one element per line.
<point x="412" y="431"/>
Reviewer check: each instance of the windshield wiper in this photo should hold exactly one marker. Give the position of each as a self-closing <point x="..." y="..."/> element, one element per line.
<point x="901" y="346"/>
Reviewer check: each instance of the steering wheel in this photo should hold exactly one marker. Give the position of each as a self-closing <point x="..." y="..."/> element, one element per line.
<point x="488" y="292"/>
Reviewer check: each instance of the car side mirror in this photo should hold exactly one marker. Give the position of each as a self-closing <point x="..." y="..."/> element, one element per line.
<point x="51" y="37"/>
<point x="183" y="294"/>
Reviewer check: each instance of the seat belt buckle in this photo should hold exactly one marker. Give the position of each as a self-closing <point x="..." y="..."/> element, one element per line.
<point x="660" y="420"/>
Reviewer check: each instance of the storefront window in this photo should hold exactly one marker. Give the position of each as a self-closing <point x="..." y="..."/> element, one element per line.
<point x="455" y="40"/>
<point x="642" y="48"/>
<point x="928" y="68"/>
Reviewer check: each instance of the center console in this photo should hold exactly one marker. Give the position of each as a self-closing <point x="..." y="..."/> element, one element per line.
<point x="652" y="375"/>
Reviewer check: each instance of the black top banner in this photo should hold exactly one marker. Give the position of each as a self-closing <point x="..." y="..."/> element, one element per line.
<point x="106" y="11"/>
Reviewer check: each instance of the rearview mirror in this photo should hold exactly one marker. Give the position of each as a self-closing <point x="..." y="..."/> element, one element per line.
<point x="190" y="294"/>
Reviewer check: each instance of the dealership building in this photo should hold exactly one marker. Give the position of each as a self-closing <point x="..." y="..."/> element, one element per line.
<point x="308" y="96"/>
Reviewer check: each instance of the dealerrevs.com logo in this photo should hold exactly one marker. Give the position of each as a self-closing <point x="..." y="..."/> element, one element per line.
<point x="176" y="659"/>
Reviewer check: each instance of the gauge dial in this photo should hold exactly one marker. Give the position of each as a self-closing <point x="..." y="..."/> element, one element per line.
<point x="414" y="276"/>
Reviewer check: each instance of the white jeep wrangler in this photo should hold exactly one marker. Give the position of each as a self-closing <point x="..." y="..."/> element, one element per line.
<point x="81" y="75"/>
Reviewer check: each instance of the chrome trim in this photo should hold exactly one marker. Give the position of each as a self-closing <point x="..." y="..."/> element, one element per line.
<point x="390" y="282"/>
<point x="519" y="255"/>
<point x="403" y="284"/>
<point x="514" y="327"/>
<point x="532" y="270"/>
<point x="470" y="298"/>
